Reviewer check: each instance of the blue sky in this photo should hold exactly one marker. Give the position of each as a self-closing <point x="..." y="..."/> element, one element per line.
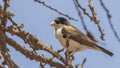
<point x="36" y="19"/>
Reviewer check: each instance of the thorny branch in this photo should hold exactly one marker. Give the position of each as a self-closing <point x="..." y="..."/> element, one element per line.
<point x="43" y="3"/>
<point x="109" y="20"/>
<point x="31" y="55"/>
<point x="6" y="5"/>
<point x="79" y="13"/>
<point x="83" y="9"/>
<point x="93" y="17"/>
<point x="34" y="42"/>
<point x="89" y="34"/>
<point x="3" y="47"/>
<point x="4" y="51"/>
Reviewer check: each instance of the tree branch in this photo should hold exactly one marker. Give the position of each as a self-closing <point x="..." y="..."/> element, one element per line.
<point x="4" y="51"/>
<point x="34" y="43"/>
<point x="94" y="18"/>
<point x="109" y="20"/>
<point x="89" y="34"/>
<point x="44" y="4"/>
<point x="31" y="55"/>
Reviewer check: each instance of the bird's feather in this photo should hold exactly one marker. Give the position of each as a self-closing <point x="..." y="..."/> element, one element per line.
<point x="73" y="33"/>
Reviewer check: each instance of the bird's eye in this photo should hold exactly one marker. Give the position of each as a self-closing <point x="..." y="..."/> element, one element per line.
<point x="57" y="22"/>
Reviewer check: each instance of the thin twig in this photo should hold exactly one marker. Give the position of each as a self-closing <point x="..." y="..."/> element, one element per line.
<point x="61" y="50"/>
<point x="79" y="14"/>
<point x="94" y="18"/>
<point x="109" y="20"/>
<point x="42" y="65"/>
<point x="44" y="4"/>
<point x="89" y="34"/>
<point x="83" y="9"/>
<point x="81" y="66"/>
<point x="10" y="18"/>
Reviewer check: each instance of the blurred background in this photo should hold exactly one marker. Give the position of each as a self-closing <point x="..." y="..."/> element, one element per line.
<point x="36" y="19"/>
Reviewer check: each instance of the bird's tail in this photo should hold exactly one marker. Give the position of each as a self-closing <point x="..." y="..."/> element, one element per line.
<point x="104" y="50"/>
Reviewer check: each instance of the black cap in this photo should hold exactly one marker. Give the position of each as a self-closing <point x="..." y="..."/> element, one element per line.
<point x="61" y="20"/>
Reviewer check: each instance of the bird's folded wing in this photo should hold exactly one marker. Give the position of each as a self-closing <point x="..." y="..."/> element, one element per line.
<point x="73" y="33"/>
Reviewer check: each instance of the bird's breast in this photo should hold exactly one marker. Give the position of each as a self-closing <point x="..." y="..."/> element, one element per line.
<point x="60" y="37"/>
<point x="73" y="45"/>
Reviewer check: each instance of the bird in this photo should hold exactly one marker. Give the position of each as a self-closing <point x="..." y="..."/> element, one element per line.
<point x="72" y="39"/>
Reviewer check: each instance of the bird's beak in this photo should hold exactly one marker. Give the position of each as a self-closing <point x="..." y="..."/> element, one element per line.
<point x="52" y="23"/>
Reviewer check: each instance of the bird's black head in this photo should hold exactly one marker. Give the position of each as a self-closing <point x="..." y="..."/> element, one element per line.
<point x="61" y="20"/>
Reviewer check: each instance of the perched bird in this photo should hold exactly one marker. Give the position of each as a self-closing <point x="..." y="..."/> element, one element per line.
<point x="73" y="39"/>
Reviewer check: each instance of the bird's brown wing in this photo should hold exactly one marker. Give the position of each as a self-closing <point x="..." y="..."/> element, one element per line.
<point x="73" y="33"/>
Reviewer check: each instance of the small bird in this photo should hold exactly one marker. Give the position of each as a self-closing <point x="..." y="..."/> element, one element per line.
<point x="73" y="39"/>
